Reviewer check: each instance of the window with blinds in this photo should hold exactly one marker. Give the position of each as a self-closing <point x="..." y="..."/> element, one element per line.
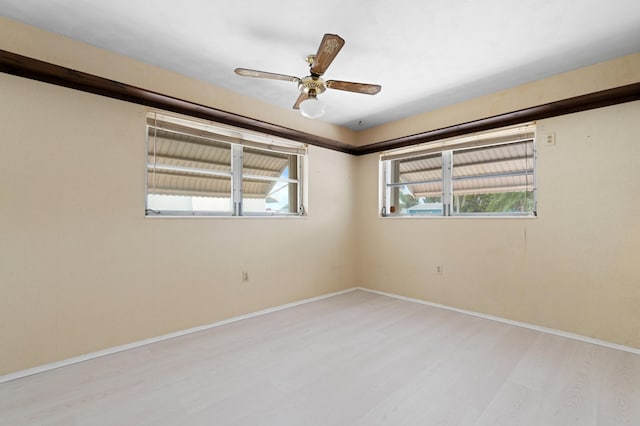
<point x="486" y="174"/>
<point x="206" y="169"/>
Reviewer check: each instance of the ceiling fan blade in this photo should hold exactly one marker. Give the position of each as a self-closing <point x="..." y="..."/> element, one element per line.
<point x="367" y="89"/>
<point x="303" y="97"/>
<point x="262" y="74"/>
<point x="327" y="51"/>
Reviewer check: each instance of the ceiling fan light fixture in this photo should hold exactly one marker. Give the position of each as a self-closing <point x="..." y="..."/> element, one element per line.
<point x="312" y="107"/>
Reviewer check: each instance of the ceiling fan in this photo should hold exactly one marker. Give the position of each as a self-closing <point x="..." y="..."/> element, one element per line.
<point x="313" y="85"/>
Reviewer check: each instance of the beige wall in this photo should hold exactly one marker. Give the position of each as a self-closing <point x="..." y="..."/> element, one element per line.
<point x="81" y="269"/>
<point x="576" y="267"/>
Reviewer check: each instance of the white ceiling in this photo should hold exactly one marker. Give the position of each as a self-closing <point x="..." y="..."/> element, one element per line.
<point x="425" y="53"/>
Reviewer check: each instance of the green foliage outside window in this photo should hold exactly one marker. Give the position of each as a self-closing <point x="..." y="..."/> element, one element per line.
<point x="494" y="202"/>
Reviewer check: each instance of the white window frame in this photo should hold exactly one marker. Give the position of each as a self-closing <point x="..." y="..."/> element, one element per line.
<point x="448" y="148"/>
<point x="237" y="139"/>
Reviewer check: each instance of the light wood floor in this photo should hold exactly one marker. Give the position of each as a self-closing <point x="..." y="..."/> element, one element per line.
<point x="354" y="359"/>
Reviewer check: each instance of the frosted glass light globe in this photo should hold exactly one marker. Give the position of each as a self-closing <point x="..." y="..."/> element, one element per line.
<point x="312" y="108"/>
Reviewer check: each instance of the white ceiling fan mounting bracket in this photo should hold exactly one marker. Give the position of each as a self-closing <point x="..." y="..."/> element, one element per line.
<point x="310" y="59"/>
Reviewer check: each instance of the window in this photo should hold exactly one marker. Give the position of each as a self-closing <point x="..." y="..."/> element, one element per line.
<point x="203" y="169"/>
<point x="487" y="174"/>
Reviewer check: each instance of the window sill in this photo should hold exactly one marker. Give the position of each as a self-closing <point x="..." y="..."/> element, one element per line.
<point x="479" y="216"/>
<point x="200" y="217"/>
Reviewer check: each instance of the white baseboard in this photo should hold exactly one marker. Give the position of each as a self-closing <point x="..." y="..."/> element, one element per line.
<point x="511" y="322"/>
<point x="116" y="349"/>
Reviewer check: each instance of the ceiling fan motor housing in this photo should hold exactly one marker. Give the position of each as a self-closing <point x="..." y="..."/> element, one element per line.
<point x="312" y="85"/>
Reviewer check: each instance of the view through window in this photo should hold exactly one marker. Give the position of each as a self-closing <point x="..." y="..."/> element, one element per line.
<point x="199" y="169"/>
<point x="491" y="173"/>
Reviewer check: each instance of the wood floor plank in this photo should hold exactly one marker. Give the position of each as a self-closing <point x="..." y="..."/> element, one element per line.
<point x="354" y="359"/>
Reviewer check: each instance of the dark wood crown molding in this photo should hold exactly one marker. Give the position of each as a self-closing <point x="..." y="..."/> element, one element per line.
<point x="22" y="66"/>
<point x="593" y="100"/>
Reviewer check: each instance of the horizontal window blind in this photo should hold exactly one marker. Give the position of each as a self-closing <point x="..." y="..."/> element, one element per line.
<point x="220" y="133"/>
<point x="519" y="133"/>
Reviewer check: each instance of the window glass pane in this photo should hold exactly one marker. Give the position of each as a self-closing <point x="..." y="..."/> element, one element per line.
<point x="195" y="168"/>
<point x="269" y="182"/>
<point x="421" y="189"/>
<point x="494" y="202"/>
<point x="187" y="173"/>
<point x="489" y="173"/>
<point x="496" y="179"/>
<point x="277" y="199"/>
<point x="412" y="204"/>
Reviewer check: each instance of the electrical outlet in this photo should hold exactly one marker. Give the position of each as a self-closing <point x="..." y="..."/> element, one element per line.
<point x="550" y="139"/>
<point x="245" y="276"/>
